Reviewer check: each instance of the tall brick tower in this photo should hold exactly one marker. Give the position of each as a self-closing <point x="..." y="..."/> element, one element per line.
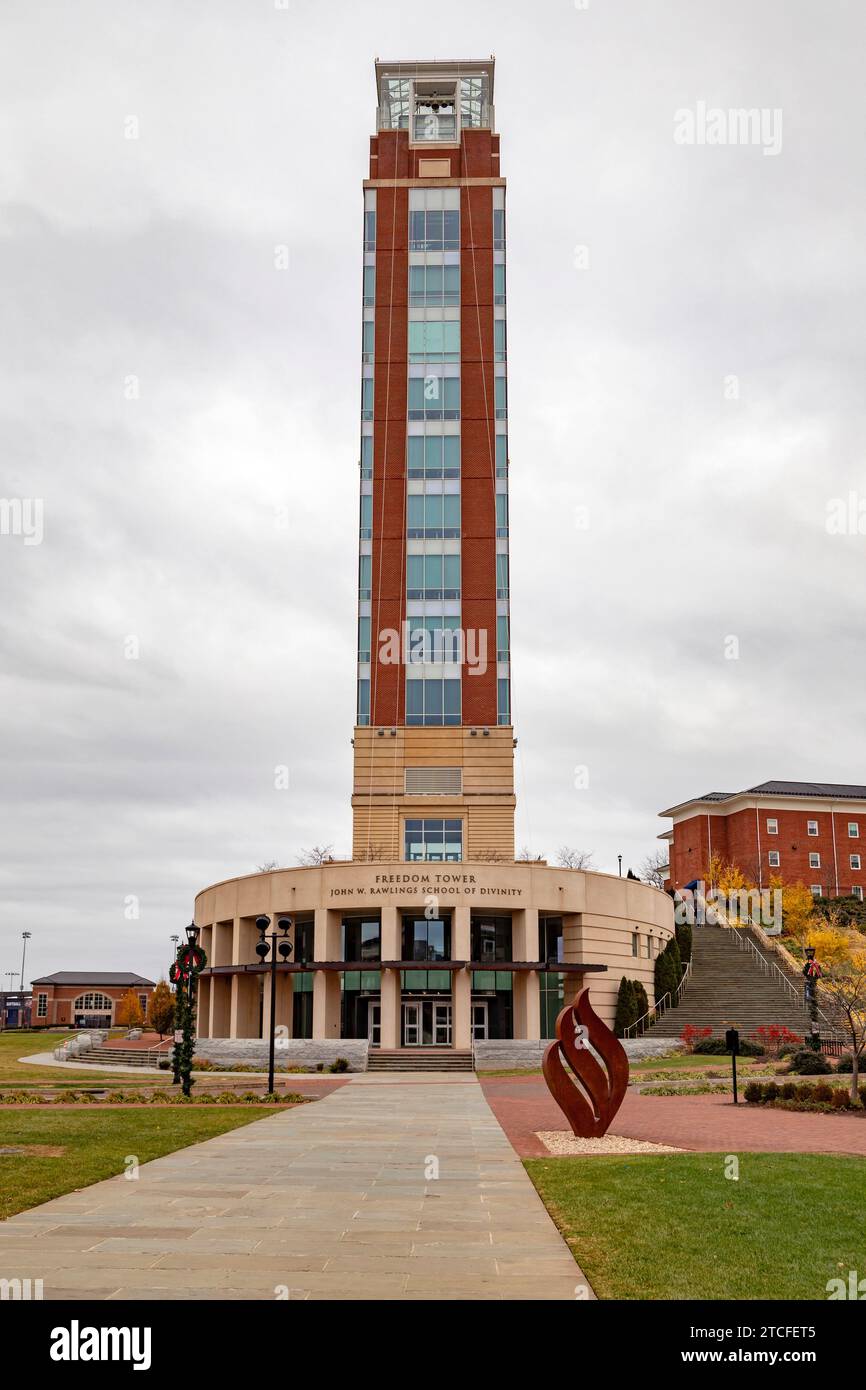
<point x="433" y="765"/>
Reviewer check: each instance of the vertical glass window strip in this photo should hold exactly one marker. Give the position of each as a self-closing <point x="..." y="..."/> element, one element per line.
<point x="499" y="284"/>
<point x="499" y="229"/>
<point x="434" y="398"/>
<point x="369" y="286"/>
<point x="367" y="516"/>
<point x="433" y="456"/>
<point x="434" y="286"/>
<point x="394" y="108"/>
<point x="367" y="341"/>
<point x="365" y="575"/>
<point x="432" y="702"/>
<point x="366" y="455"/>
<point x="370" y="230"/>
<point x="364" y="638"/>
<point x="473" y="101"/>
<point x="502" y="456"/>
<point x="435" y="340"/>
<point x="502" y="513"/>
<point x="431" y="229"/>
<point x="367" y="398"/>
<point x="499" y="340"/>
<point x="503" y="648"/>
<point x="363" y="701"/>
<point x="502" y="576"/>
<point x="500" y="397"/>
<point x="503" y="701"/>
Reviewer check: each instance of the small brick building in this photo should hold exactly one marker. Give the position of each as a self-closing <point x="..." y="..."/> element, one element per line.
<point x="84" y="998"/>
<point x="800" y="832"/>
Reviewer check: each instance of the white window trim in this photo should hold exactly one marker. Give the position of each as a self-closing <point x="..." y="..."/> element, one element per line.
<point x="810" y="831"/>
<point x="854" y="861"/>
<point x="814" y="859"/>
<point x="774" y="859"/>
<point x="772" y="826"/>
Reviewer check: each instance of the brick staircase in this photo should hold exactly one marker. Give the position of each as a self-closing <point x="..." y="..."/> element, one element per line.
<point x="728" y="988"/>
<point x="419" y="1059"/>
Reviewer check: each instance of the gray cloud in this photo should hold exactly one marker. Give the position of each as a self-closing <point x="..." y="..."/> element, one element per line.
<point x="154" y="258"/>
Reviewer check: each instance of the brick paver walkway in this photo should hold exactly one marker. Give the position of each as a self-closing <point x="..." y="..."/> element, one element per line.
<point x="335" y="1200"/>
<point x="704" y="1124"/>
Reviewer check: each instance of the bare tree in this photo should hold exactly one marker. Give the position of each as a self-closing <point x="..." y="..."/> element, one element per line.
<point x="568" y="858"/>
<point x="651" y="867"/>
<point x="316" y="856"/>
<point x="845" y="984"/>
<point x="372" y="854"/>
<point x="268" y="866"/>
<point x="526" y="856"/>
<point x="488" y="856"/>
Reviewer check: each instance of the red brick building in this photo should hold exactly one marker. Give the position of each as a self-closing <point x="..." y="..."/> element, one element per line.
<point x="84" y="998"/>
<point x="806" y="832"/>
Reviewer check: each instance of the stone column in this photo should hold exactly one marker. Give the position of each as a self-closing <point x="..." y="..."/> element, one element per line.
<point x="391" y="995"/>
<point x="461" y="980"/>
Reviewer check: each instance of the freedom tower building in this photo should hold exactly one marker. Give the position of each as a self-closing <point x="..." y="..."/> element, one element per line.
<point x="431" y="940"/>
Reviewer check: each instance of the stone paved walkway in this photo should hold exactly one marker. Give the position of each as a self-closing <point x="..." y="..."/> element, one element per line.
<point x="334" y="1200"/>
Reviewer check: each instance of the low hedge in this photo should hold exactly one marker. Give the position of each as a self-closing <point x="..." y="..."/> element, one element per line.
<point x="793" y="1095"/>
<point x="160" y="1097"/>
<point x="716" y="1047"/>
<point x="809" y="1063"/>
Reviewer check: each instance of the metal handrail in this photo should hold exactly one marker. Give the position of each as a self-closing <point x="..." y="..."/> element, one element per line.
<point x="659" y="1007"/>
<point x="769" y="966"/>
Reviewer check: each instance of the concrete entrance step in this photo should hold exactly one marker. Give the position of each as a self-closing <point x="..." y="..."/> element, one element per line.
<point x="419" y="1059"/>
<point x="125" y="1056"/>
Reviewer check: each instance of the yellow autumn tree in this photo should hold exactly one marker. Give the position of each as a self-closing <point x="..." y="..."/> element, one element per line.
<point x="128" y="1013"/>
<point x="832" y="946"/>
<point x="798" y="910"/>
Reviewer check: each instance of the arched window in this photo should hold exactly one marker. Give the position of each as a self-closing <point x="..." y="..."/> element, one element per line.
<point x="93" y="1003"/>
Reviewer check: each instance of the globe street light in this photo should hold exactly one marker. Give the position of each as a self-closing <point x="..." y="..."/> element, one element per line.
<point x="271" y="946"/>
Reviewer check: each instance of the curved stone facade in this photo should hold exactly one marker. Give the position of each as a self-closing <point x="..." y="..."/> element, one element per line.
<point x="426" y="954"/>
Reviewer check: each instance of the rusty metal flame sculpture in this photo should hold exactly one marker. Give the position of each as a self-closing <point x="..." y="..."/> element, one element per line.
<point x="590" y="1110"/>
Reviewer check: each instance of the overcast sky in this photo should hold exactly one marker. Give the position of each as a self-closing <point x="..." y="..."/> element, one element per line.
<point x="686" y="400"/>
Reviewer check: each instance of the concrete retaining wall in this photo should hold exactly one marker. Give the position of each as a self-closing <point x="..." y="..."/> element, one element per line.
<point x="294" y="1052"/>
<point x="512" y="1052"/>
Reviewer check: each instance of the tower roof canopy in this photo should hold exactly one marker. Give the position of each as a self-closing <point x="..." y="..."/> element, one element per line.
<point x="437" y="67"/>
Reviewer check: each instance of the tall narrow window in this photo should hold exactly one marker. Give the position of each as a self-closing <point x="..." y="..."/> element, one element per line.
<point x="369" y="286"/>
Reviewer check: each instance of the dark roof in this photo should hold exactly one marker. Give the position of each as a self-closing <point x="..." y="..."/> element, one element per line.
<point x="843" y="791"/>
<point x="92" y="977"/>
<point x="838" y="791"/>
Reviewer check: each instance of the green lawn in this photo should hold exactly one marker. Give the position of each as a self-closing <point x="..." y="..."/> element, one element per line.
<point x="95" y="1145"/>
<point x="675" y="1227"/>
<point x="12" y="1073"/>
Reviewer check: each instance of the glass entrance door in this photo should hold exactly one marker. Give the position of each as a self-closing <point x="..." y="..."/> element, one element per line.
<point x="442" y="1025"/>
<point x="374" y="1024"/>
<point x="411" y="1025"/>
<point x="479" y="1021"/>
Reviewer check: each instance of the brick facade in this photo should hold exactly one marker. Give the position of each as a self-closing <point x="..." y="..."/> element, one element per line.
<point x="65" y="1003"/>
<point x="747" y="828"/>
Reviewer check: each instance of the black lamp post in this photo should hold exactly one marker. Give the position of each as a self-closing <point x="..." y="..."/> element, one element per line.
<point x="190" y="960"/>
<point x="272" y="946"/>
<point x="811" y="974"/>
